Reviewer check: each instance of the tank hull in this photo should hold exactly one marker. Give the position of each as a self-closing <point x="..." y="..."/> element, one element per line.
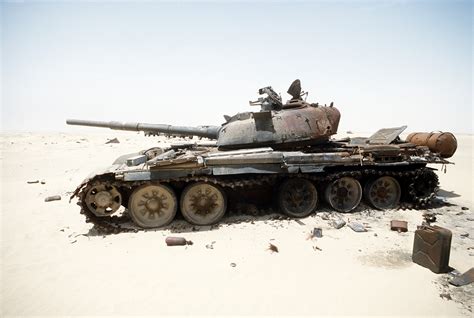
<point x="236" y="173"/>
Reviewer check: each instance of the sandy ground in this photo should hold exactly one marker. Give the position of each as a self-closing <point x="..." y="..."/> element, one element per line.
<point x="52" y="263"/>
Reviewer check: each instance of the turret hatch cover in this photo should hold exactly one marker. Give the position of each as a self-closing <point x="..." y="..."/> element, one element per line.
<point x="385" y="136"/>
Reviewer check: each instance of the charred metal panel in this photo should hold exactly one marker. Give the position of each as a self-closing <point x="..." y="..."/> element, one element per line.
<point x="385" y="136"/>
<point x="311" y="168"/>
<point x="263" y="121"/>
<point x="163" y="174"/>
<point x="239" y="169"/>
<point x="276" y="157"/>
<point x="136" y="160"/>
<point x="239" y="152"/>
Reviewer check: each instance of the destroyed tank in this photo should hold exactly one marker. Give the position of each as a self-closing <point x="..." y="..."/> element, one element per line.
<point x="285" y="147"/>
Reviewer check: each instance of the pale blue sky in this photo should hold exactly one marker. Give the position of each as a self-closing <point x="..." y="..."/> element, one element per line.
<point x="383" y="63"/>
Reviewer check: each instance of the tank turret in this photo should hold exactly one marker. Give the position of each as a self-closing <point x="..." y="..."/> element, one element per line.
<point x="292" y="125"/>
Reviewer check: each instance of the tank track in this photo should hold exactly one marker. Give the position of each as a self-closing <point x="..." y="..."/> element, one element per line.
<point x="418" y="194"/>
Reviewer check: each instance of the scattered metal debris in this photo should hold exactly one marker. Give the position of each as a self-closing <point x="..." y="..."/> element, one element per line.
<point x="445" y="296"/>
<point x="43" y="182"/>
<point x="318" y="232"/>
<point x="273" y="248"/>
<point x="357" y="227"/>
<point x="339" y="223"/>
<point x="113" y="141"/>
<point x="429" y="217"/>
<point x="399" y="226"/>
<point x="464" y="279"/>
<point x="233" y="264"/>
<point x="299" y="222"/>
<point x="317" y="248"/>
<point x="32" y="181"/>
<point x="464" y="235"/>
<point x="464" y="208"/>
<point x="52" y="198"/>
<point x="177" y="241"/>
<point x="325" y="216"/>
<point x="210" y="246"/>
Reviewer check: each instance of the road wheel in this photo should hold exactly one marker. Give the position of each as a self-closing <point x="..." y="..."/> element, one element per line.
<point x="383" y="193"/>
<point x="297" y="197"/>
<point x="152" y="205"/>
<point x="203" y="203"/>
<point x="344" y="194"/>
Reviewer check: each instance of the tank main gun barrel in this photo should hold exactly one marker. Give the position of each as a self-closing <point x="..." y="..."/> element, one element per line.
<point x="211" y="132"/>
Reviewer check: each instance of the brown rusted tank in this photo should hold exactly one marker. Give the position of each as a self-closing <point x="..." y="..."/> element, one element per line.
<point x="284" y="149"/>
<point x="443" y="143"/>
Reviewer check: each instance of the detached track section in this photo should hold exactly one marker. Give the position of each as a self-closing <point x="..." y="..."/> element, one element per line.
<point x="419" y="186"/>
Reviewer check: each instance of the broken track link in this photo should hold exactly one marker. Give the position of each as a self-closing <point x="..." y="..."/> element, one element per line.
<point x="113" y="224"/>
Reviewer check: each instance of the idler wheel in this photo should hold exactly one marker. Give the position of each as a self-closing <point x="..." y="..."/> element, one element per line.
<point x="383" y="193"/>
<point x="203" y="203"/>
<point x="297" y="197"/>
<point x="103" y="199"/>
<point x="152" y="205"/>
<point x="344" y="194"/>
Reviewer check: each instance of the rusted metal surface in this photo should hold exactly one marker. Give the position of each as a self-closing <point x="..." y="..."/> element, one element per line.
<point x="399" y="226"/>
<point x="443" y="143"/>
<point x="432" y="247"/>
<point x="177" y="241"/>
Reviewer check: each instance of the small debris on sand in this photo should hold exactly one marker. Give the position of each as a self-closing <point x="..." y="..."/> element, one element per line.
<point x="464" y="279"/>
<point x="210" y="246"/>
<point x="273" y="248"/>
<point x="177" y="241"/>
<point x="464" y="208"/>
<point x="337" y="224"/>
<point x="399" y="226"/>
<point x="445" y="296"/>
<point x="357" y="227"/>
<point x="464" y="235"/>
<point x="318" y="232"/>
<point x="43" y="182"/>
<point x="233" y="264"/>
<point x="32" y="181"/>
<point x="429" y="217"/>
<point x="316" y="248"/>
<point x="113" y="141"/>
<point x="52" y="198"/>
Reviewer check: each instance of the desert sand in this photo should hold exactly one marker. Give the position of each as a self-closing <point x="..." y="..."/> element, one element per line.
<point x="53" y="263"/>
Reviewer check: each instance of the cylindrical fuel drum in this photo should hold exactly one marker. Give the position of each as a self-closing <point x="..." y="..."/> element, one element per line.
<point x="443" y="143"/>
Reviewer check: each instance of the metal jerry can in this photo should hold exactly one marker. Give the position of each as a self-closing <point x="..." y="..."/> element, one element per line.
<point x="431" y="248"/>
